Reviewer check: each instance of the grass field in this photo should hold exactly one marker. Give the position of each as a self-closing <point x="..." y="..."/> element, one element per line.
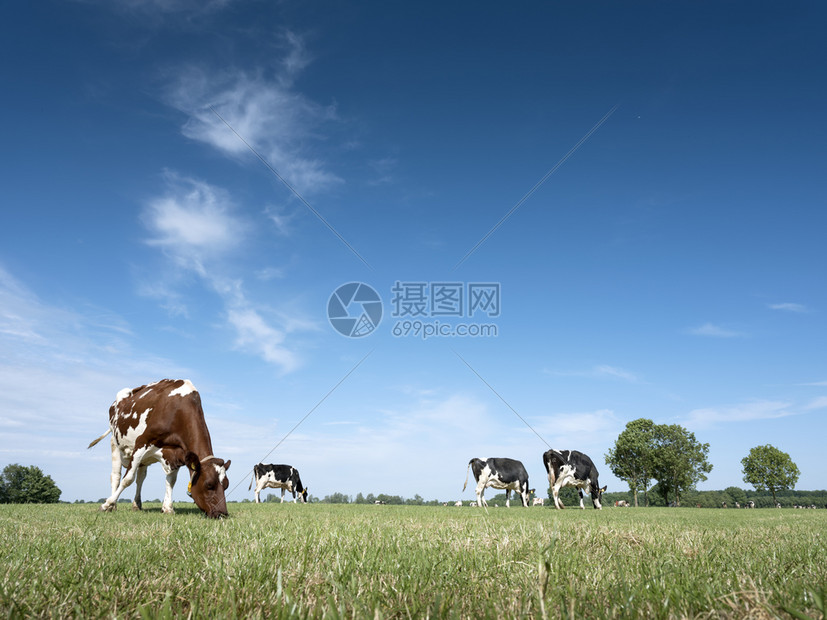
<point x="317" y="560"/>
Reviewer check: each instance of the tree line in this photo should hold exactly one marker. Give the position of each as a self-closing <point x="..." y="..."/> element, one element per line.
<point x="667" y="461"/>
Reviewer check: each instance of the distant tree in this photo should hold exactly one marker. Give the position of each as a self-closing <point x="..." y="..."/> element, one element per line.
<point x="336" y="498"/>
<point x="360" y="499"/>
<point x="27" y="485"/>
<point x="631" y="459"/>
<point x="737" y="494"/>
<point x="768" y="468"/>
<point x="568" y="495"/>
<point x="679" y="461"/>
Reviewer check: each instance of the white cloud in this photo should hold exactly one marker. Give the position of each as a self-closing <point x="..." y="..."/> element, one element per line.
<point x="618" y="373"/>
<point x="60" y="369"/>
<point x="815" y="384"/>
<point x="715" y="331"/>
<point x="581" y="430"/>
<point x="789" y="307"/>
<point x="193" y="220"/>
<point x="817" y="403"/>
<point x="197" y="226"/>
<point x="743" y="412"/>
<point x="265" y="112"/>
<point x="600" y="371"/>
<point x="254" y="334"/>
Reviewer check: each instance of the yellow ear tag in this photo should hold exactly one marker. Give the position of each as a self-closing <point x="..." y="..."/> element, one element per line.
<point x="189" y="488"/>
<point x="192" y="467"/>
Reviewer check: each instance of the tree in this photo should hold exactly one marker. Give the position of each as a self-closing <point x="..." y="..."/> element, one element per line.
<point x="679" y="461"/>
<point x="27" y="485"/>
<point x="631" y="458"/>
<point x="768" y="469"/>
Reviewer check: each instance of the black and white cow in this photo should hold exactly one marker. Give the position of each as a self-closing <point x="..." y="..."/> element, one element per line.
<point x="499" y="473"/>
<point x="282" y="477"/>
<point x="572" y="468"/>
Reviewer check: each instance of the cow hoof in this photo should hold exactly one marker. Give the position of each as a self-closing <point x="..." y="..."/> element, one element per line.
<point x="109" y="508"/>
<point x="168" y="510"/>
<point x="136" y="506"/>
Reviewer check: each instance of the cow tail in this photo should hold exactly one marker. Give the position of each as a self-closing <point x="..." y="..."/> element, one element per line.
<point x="467" y="471"/>
<point x="98" y="439"/>
<point x="253" y="479"/>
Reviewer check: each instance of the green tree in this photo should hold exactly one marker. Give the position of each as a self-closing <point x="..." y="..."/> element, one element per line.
<point x="768" y="469"/>
<point x="679" y="461"/>
<point x="336" y="498"/>
<point x="737" y="494"/>
<point x="631" y="459"/>
<point x="27" y="485"/>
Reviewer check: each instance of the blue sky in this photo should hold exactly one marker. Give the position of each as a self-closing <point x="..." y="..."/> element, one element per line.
<point x="670" y="267"/>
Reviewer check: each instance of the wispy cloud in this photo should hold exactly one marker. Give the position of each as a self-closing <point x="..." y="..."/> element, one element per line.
<point x="743" y="412"/>
<point x="815" y="384"/>
<point x="790" y="307"/>
<point x="193" y="221"/>
<point x="601" y="371"/>
<point x="715" y="331"/>
<point x="60" y="368"/>
<point x="267" y="112"/>
<point x="578" y="430"/>
<point x="197" y="226"/>
<point x="817" y="403"/>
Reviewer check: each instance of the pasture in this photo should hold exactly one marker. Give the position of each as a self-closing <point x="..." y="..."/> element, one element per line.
<point x="319" y="560"/>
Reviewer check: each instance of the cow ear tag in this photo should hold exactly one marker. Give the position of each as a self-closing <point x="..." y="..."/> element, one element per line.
<point x="192" y="466"/>
<point x="189" y="488"/>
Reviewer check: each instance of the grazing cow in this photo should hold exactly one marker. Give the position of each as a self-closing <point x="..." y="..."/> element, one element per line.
<point x="282" y="477"/>
<point x="750" y="504"/>
<point x="621" y="503"/>
<point x="538" y="501"/>
<point x="458" y="503"/>
<point x="723" y="504"/>
<point x="163" y="422"/>
<point x="572" y="468"/>
<point x="499" y="473"/>
<point x="737" y="505"/>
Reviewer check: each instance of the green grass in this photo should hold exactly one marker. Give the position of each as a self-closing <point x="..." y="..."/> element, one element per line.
<point x="315" y="560"/>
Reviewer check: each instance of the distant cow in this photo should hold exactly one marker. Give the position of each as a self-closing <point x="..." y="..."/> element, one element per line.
<point x="750" y="504"/>
<point x="499" y="473"/>
<point x="572" y="468"/>
<point x="537" y="501"/>
<point x="282" y="477"/>
<point x="458" y="503"/>
<point x="163" y="422"/>
<point x="737" y="505"/>
<point x="621" y="503"/>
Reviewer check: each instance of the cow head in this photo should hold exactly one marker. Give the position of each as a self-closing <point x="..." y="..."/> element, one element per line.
<point x="208" y="481"/>
<point x="596" y="494"/>
<point x="303" y="495"/>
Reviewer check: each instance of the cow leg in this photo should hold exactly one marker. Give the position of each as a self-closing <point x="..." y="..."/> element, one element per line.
<point x="172" y="476"/>
<point x="508" y="498"/>
<point x="556" y="493"/>
<point x="260" y="485"/>
<point x="132" y="470"/>
<point x="480" y="491"/>
<point x="580" y="491"/>
<point x="115" y="476"/>
<point x="140" y="476"/>
<point x="282" y="495"/>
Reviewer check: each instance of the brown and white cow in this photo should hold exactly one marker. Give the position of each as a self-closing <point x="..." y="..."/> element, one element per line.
<point x="163" y="422"/>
